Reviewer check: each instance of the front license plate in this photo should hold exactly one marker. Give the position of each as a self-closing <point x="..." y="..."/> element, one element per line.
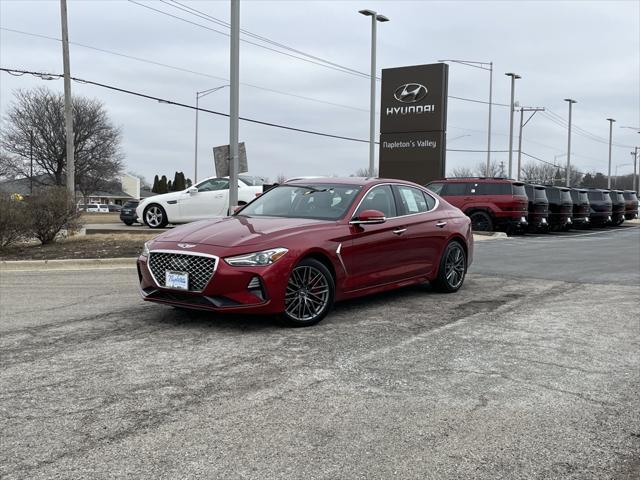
<point x="178" y="280"/>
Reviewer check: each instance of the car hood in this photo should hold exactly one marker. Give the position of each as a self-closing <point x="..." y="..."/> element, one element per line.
<point x="241" y="230"/>
<point x="163" y="197"/>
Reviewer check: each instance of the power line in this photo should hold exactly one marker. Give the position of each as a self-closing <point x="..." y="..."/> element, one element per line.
<point x="207" y="75"/>
<point x="249" y="41"/>
<point x="186" y="70"/>
<point x="210" y="18"/>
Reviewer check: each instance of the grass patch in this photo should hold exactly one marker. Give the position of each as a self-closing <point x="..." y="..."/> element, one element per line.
<point x="81" y="246"/>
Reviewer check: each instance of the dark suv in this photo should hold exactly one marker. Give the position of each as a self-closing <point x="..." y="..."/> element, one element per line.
<point x="600" y="206"/>
<point x="128" y="212"/>
<point x="617" y="207"/>
<point x="491" y="203"/>
<point x="580" y="216"/>
<point x="630" y="204"/>
<point x="560" y="207"/>
<point x="538" y="208"/>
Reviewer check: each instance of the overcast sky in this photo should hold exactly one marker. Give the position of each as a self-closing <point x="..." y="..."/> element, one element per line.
<point x="586" y="50"/>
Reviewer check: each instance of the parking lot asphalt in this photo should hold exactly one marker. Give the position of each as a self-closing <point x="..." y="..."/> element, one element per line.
<point x="512" y="377"/>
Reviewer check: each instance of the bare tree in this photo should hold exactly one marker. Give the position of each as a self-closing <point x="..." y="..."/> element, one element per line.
<point x="461" y="172"/>
<point x="41" y="112"/>
<point x="494" y="169"/>
<point x="541" y="173"/>
<point x="281" y="178"/>
<point x="364" y="172"/>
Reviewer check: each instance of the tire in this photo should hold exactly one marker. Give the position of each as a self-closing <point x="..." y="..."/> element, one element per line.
<point x="154" y="216"/>
<point x="128" y="223"/>
<point x="453" y="260"/>
<point x="309" y="295"/>
<point x="481" y="222"/>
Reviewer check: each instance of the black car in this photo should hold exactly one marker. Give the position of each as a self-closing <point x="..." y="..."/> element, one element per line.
<point x="128" y="212"/>
<point x="560" y="207"/>
<point x="580" y="215"/>
<point x="538" y="208"/>
<point x="599" y="206"/>
<point x="630" y="204"/>
<point x="617" y="207"/>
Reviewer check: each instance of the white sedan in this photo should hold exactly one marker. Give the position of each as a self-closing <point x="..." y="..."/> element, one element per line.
<point x="207" y="199"/>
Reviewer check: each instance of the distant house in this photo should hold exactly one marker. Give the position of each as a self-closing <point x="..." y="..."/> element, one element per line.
<point x="127" y="188"/>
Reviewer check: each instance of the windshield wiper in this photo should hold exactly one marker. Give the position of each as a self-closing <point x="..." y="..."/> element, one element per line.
<point x="312" y="189"/>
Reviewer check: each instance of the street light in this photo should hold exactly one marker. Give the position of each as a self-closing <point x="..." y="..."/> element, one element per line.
<point x="610" y="120"/>
<point x="571" y="102"/>
<point x="199" y="95"/>
<point x="482" y="66"/>
<point x="375" y="17"/>
<point x="514" y="77"/>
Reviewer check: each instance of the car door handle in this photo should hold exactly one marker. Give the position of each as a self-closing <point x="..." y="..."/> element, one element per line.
<point x="441" y="224"/>
<point x="218" y="196"/>
<point x="399" y="231"/>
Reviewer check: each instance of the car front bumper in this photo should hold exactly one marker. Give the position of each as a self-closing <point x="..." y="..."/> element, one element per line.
<point x="259" y="290"/>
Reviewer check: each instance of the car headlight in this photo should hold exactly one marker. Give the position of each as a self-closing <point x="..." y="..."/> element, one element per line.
<point x="266" y="257"/>
<point x="145" y="249"/>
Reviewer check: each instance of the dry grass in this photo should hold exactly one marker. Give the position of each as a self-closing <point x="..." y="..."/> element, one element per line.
<point x="100" y="218"/>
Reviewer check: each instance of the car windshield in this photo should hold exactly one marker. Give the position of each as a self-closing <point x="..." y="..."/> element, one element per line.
<point x="594" y="195"/>
<point x="518" y="189"/>
<point x="630" y="196"/>
<point x="319" y="201"/>
<point x="540" y="193"/>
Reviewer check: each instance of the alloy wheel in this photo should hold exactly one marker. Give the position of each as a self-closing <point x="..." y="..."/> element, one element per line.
<point x="454" y="266"/>
<point x="154" y="216"/>
<point x="307" y="293"/>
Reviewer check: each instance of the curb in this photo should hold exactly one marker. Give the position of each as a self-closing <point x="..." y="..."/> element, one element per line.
<point x="489" y="235"/>
<point x="70" y="264"/>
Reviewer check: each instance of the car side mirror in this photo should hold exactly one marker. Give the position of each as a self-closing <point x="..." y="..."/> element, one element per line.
<point x="368" y="217"/>
<point x="192" y="190"/>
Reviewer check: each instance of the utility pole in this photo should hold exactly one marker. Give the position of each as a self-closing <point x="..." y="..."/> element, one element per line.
<point x="514" y="77"/>
<point x="636" y="183"/>
<point x="568" y="175"/>
<point x="234" y="104"/>
<point x="522" y="125"/>
<point x="31" y="162"/>
<point x="610" y="120"/>
<point x="68" y="112"/>
<point x="489" y="125"/>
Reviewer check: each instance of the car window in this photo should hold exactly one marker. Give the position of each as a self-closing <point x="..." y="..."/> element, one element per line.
<point x="606" y="197"/>
<point x="457" y="188"/>
<point x="435" y="187"/>
<point x="594" y="195"/>
<point x="213" y="184"/>
<point x="630" y="196"/>
<point x="379" y="198"/>
<point x="483" y="188"/>
<point x="553" y="194"/>
<point x="518" y="189"/>
<point x="411" y="200"/>
<point x="431" y="202"/>
<point x="565" y="196"/>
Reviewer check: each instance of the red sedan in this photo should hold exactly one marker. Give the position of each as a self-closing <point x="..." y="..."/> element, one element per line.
<point x="307" y="243"/>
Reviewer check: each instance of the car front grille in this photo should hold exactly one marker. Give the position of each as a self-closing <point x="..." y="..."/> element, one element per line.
<point x="199" y="268"/>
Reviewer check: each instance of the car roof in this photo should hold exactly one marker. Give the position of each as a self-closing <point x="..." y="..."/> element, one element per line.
<point x="479" y="180"/>
<point x="359" y="181"/>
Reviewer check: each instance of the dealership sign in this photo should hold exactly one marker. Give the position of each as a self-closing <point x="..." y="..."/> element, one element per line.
<point x="413" y="119"/>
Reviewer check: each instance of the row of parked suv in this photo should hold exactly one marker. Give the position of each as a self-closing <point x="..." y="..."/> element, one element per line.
<point x="511" y="206"/>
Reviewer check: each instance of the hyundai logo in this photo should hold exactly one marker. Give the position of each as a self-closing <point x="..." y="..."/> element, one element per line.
<point x="410" y="93"/>
<point x="186" y="245"/>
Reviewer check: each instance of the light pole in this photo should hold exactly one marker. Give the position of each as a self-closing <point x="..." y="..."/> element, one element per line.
<point x="234" y="103"/>
<point x="482" y="66"/>
<point x="375" y="17"/>
<point x="568" y="174"/>
<point x="514" y="77"/>
<point x="199" y="95"/>
<point x="635" y="183"/>
<point x="610" y="120"/>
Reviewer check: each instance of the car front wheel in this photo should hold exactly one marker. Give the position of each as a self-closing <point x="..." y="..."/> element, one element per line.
<point x="453" y="268"/>
<point x="155" y="216"/>
<point x="309" y="295"/>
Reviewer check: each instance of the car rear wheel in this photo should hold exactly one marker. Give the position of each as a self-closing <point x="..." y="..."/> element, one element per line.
<point x="128" y="223"/>
<point x="155" y="216"/>
<point x="309" y="295"/>
<point x="453" y="268"/>
<point x="481" y="222"/>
